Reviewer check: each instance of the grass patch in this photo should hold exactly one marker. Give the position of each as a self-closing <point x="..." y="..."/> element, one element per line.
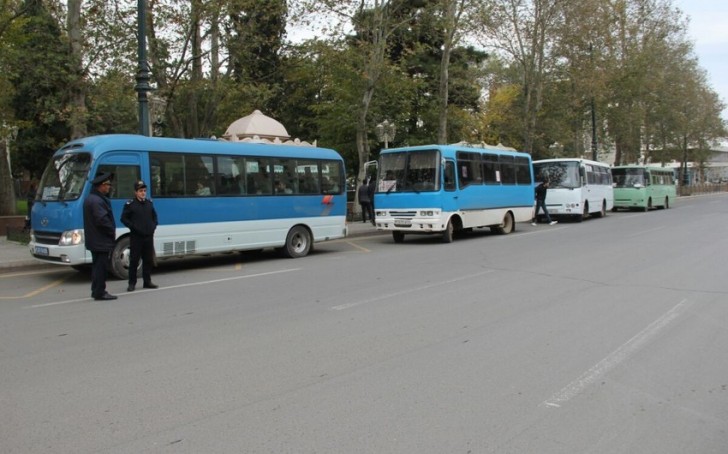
<point x="18" y="235"/>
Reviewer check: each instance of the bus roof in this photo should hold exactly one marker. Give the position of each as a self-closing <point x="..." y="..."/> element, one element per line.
<point x="586" y="161"/>
<point x="643" y="166"/>
<point x="98" y="145"/>
<point x="457" y="147"/>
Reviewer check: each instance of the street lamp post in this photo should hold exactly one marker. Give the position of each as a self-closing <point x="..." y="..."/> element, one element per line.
<point x="142" y="78"/>
<point x="385" y="132"/>
<point x="593" y="111"/>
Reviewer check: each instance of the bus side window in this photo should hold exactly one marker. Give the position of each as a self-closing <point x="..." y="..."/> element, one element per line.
<point x="449" y="177"/>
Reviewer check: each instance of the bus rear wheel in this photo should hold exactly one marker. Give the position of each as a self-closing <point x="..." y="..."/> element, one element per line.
<point x="667" y="203"/>
<point x="298" y="243"/>
<point x="506" y="227"/>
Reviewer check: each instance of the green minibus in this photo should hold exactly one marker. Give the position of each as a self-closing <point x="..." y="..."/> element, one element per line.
<point x="643" y="187"/>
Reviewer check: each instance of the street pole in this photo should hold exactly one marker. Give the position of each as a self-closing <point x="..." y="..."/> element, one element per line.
<point x="142" y="78"/>
<point x="593" y="111"/>
<point x="594" y="130"/>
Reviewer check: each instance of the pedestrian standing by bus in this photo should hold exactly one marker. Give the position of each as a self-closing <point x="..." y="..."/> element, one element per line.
<point x="371" y="190"/>
<point x="365" y="202"/>
<point x="141" y="218"/>
<point x="541" y="202"/>
<point x="99" y="233"/>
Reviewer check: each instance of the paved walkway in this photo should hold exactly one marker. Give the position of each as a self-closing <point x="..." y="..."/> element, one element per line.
<point x="17" y="255"/>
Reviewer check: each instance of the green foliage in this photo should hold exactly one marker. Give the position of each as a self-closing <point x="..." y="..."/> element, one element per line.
<point x="40" y="76"/>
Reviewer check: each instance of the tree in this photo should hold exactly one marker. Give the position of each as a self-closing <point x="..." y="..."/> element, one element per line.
<point x="41" y="73"/>
<point x="10" y="23"/>
<point x="523" y="30"/>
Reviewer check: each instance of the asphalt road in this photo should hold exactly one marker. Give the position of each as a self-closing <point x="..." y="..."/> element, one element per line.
<point x="606" y="336"/>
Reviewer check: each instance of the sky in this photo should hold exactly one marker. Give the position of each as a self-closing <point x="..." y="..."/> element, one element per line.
<point x="709" y="33"/>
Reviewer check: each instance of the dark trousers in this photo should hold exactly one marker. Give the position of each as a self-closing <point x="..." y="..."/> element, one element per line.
<point x="366" y="210"/>
<point x="99" y="268"/>
<point x="542" y="205"/>
<point x="141" y="247"/>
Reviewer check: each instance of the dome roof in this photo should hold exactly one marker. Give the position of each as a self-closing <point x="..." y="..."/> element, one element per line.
<point x="256" y="125"/>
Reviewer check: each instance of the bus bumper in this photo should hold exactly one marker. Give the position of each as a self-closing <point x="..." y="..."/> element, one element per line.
<point x="59" y="255"/>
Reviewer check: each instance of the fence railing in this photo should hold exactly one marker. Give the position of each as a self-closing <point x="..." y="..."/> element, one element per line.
<point x="703" y="188"/>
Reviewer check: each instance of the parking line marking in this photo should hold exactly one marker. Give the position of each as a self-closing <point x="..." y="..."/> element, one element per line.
<point x="342" y="307"/>
<point x="36" y="292"/>
<point x="190" y="284"/>
<point x="624" y="352"/>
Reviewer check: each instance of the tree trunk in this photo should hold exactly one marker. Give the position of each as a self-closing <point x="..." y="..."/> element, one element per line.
<point x="7" y="190"/>
<point x="79" y="112"/>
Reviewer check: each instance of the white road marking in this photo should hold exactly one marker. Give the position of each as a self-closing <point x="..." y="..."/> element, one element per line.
<point x="191" y="284"/>
<point x="342" y="307"/>
<point x="615" y="358"/>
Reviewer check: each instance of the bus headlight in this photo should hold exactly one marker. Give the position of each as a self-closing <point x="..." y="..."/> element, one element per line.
<point x="71" y="238"/>
<point x="429" y="213"/>
<point x="381" y="213"/>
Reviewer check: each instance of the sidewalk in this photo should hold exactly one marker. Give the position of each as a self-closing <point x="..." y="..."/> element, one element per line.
<point x="17" y="255"/>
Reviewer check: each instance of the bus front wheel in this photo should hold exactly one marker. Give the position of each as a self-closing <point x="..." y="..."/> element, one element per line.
<point x="398" y="237"/>
<point x="448" y="232"/>
<point x="298" y="243"/>
<point x="120" y="259"/>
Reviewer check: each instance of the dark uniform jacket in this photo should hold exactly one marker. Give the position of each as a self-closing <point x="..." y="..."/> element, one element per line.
<point x="98" y="223"/>
<point x="541" y="192"/>
<point x="140" y="217"/>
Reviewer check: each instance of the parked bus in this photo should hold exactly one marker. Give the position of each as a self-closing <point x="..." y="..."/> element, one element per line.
<point x="254" y="196"/>
<point x="643" y="187"/>
<point x="578" y="188"/>
<point x="442" y="189"/>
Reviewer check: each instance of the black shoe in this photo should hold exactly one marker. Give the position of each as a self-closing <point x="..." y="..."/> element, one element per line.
<point x="131" y="287"/>
<point x="105" y="297"/>
<point x="151" y="285"/>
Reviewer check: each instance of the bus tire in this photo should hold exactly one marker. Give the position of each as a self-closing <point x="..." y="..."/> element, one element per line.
<point x="298" y="242"/>
<point x="603" y="211"/>
<point x="447" y="234"/>
<point x="648" y="205"/>
<point x="120" y="259"/>
<point x="585" y="214"/>
<point x="667" y="203"/>
<point x="507" y="226"/>
<point x="398" y="237"/>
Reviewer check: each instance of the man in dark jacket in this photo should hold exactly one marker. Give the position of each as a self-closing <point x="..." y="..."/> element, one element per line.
<point x="365" y="202"/>
<point x="141" y="218"/>
<point x="541" y="203"/>
<point x="99" y="233"/>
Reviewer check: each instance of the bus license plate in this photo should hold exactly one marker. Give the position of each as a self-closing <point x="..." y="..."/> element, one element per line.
<point x="39" y="250"/>
<point x="402" y="222"/>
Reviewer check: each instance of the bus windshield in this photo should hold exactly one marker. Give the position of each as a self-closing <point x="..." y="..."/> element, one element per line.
<point x="64" y="177"/>
<point x="627" y="178"/>
<point x="560" y="174"/>
<point x="409" y="172"/>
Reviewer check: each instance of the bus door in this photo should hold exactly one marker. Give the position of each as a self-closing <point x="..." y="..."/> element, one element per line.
<point x="449" y="185"/>
<point x="126" y="168"/>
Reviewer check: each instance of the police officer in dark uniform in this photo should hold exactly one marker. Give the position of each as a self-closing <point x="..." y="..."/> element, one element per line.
<point x="141" y="218"/>
<point x="99" y="233"/>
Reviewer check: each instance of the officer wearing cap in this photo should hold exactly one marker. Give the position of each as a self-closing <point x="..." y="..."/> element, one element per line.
<point x="99" y="233"/>
<point x="141" y="218"/>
